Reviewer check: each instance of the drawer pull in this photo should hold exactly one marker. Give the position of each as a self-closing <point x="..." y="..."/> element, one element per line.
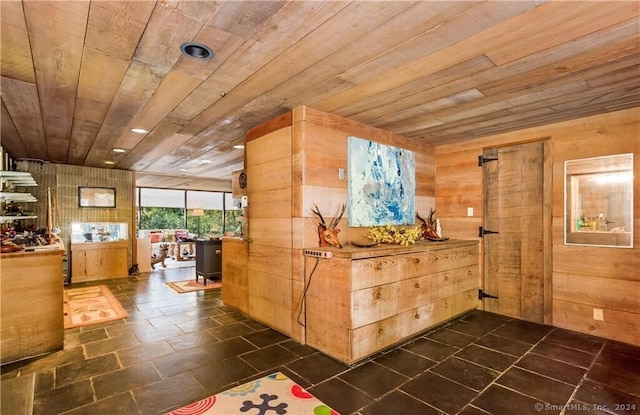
<point x="378" y="266"/>
<point x="380" y="330"/>
<point x="416" y="316"/>
<point x="446" y="305"/>
<point x="416" y="260"/>
<point x="446" y="278"/>
<point x="378" y="295"/>
<point x="417" y="285"/>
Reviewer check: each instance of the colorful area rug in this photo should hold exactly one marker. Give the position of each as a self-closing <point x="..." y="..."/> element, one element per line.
<point x="90" y="305"/>
<point x="273" y="394"/>
<point x="192" y="285"/>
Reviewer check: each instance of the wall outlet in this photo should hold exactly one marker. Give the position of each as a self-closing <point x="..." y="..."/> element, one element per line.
<point x="598" y="314"/>
<point x="469" y="211"/>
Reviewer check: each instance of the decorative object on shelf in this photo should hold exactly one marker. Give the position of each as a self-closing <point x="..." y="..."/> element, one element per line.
<point x="431" y="228"/>
<point x="388" y="234"/>
<point x="328" y="234"/>
<point x="48" y="233"/>
<point x="96" y="197"/>
<point x="364" y="244"/>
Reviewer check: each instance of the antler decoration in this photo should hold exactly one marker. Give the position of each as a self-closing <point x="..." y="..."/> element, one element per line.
<point x="328" y="234"/>
<point x="429" y="227"/>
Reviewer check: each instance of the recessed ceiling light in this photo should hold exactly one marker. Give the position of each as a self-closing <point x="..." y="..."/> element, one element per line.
<point x="139" y="130"/>
<point x="109" y="162"/>
<point x="183" y="170"/>
<point x="206" y="161"/>
<point x="119" y="150"/>
<point x="238" y="147"/>
<point x="196" y="50"/>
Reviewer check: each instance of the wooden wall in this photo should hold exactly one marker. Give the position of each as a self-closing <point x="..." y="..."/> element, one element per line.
<point x="292" y="163"/>
<point x="64" y="179"/>
<point x="269" y="227"/>
<point x="583" y="277"/>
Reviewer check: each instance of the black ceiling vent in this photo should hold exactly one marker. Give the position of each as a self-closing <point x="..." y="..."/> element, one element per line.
<point x="196" y="50"/>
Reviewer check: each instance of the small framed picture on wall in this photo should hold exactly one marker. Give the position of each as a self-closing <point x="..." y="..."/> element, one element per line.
<point x="96" y="197"/>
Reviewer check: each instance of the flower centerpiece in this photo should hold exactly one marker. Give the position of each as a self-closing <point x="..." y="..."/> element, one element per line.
<point x="388" y="234"/>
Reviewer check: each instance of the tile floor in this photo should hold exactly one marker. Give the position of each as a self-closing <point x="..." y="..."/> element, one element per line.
<point x="178" y="348"/>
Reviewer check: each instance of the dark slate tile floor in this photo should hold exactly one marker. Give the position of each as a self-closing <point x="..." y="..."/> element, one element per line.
<point x="178" y="348"/>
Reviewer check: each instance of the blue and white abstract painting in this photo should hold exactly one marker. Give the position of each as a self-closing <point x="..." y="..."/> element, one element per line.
<point x="381" y="184"/>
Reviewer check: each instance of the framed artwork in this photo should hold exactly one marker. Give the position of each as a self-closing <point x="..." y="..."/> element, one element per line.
<point x="381" y="184"/>
<point x="96" y="197"/>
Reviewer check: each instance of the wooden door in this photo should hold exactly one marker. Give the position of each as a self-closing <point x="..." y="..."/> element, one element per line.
<point x="517" y="259"/>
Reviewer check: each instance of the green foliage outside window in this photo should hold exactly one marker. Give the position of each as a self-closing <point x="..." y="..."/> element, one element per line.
<point x="231" y="221"/>
<point x="161" y="218"/>
<point x="214" y="222"/>
<point x="210" y="223"/>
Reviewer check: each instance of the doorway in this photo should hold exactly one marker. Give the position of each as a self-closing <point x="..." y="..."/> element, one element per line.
<point x="517" y="231"/>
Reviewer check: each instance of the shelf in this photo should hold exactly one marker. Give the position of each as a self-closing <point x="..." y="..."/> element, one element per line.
<point x="12" y="218"/>
<point x="17" y="197"/>
<point x="17" y="178"/>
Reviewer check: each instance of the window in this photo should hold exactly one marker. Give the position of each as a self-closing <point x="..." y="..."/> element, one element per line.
<point x="215" y="212"/>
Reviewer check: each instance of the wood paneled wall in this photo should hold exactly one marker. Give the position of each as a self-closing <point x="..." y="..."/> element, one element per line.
<point x="292" y="163"/>
<point x="583" y="277"/>
<point x="269" y="228"/>
<point x="64" y="180"/>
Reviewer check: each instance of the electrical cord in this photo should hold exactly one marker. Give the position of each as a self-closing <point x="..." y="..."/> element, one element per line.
<point x="304" y="295"/>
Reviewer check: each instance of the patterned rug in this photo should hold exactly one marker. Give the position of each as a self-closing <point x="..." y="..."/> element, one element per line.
<point x="90" y="305"/>
<point x="193" y="285"/>
<point x="270" y="395"/>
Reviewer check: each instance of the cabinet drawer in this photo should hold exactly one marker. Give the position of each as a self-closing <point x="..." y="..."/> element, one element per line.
<point x="391" y="268"/>
<point x="415" y="292"/>
<point x="369" y="339"/>
<point x="373" y="304"/>
<point x="432" y="314"/>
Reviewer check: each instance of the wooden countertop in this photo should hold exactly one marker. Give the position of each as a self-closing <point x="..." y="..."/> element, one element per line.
<point x="98" y="245"/>
<point x="232" y="239"/>
<point x="44" y="250"/>
<point x="355" y="252"/>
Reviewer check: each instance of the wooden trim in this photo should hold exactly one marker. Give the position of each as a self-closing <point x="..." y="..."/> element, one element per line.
<point x="283" y="121"/>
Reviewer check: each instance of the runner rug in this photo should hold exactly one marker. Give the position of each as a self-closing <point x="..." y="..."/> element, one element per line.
<point x="273" y="394"/>
<point x="192" y="285"/>
<point x="90" y="305"/>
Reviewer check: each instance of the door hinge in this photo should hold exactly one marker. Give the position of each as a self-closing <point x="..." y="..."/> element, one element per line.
<point x="482" y="295"/>
<point x="482" y="231"/>
<point x="482" y="160"/>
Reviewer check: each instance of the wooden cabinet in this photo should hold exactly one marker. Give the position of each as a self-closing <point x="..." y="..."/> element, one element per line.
<point x="32" y="320"/>
<point x="362" y="301"/>
<point x="98" y="260"/>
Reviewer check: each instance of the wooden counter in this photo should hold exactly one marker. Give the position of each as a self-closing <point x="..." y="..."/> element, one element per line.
<point x="32" y="312"/>
<point x="92" y="261"/>
<point x="364" y="300"/>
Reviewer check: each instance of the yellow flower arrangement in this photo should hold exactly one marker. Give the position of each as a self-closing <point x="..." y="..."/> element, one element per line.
<point x="388" y="234"/>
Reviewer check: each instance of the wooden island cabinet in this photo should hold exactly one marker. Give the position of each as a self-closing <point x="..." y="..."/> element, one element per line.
<point x="92" y="261"/>
<point x="364" y="300"/>
<point x="32" y="311"/>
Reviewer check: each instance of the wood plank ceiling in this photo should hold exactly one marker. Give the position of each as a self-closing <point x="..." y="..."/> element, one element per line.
<point x="78" y="75"/>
